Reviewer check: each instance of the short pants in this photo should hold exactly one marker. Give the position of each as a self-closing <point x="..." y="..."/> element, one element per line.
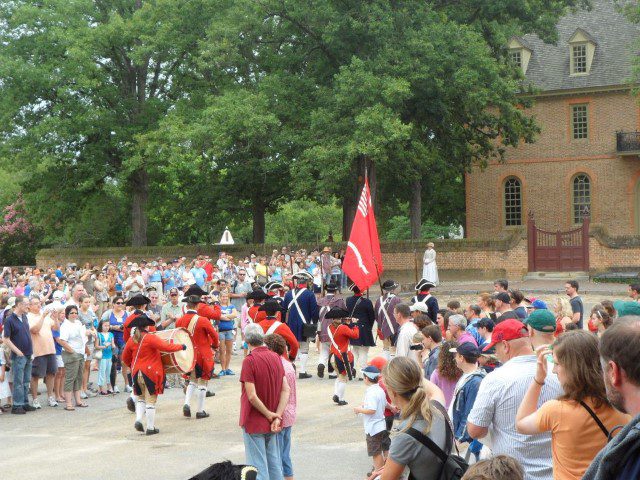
<point x="378" y="443"/>
<point x="226" y="335"/>
<point x="44" y="365"/>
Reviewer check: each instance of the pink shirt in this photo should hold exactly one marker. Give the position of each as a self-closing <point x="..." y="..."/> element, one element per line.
<point x="289" y="415"/>
<point x="244" y="317"/>
<point x="447" y="386"/>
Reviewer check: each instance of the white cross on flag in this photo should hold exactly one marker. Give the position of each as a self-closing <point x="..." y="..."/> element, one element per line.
<point x="363" y="260"/>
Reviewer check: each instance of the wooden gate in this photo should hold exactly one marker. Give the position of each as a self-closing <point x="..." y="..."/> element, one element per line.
<point x="558" y="251"/>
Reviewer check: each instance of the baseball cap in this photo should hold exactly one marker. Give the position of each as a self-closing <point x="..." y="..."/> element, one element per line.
<point x="420" y="307"/>
<point x="371" y="372"/>
<point x="510" y="329"/>
<point x="466" y="349"/>
<point x="378" y="362"/>
<point x="539" y="305"/>
<point x="502" y="296"/>
<point x="542" y="320"/>
<point x="626" y="308"/>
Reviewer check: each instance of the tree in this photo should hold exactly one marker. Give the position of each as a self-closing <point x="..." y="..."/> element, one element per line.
<point x="80" y="81"/>
<point x="18" y="236"/>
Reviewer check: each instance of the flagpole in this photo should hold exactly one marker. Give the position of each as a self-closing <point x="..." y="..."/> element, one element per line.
<point x="375" y="263"/>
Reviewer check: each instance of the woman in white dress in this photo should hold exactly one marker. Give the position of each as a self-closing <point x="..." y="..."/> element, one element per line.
<point x="429" y="267"/>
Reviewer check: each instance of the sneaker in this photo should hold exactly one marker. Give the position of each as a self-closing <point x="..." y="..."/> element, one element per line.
<point x="83" y="395"/>
<point x="321" y="371"/>
<point x="128" y="389"/>
<point x="202" y="414"/>
<point x="52" y="402"/>
<point x="303" y="375"/>
<point x="186" y="411"/>
<point x="28" y="408"/>
<point x="91" y="394"/>
<point x="152" y="431"/>
<point x="36" y="404"/>
<point x="116" y="389"/>
<point x="222" y="373"/>
<point x="229" y="372"/>
<point x="138" y="426"/>
<point x="18" y="411"/>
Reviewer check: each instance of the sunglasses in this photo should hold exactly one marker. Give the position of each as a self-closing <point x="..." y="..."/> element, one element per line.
<point x="173" y="295"/>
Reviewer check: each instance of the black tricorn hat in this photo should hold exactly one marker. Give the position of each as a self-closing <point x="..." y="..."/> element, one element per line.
<point x="273" y="285"/>
<point x="424" y="284"/>
<point x="337" y="312"/>
<point x="138" y="301"/>
<point x="389" y="285"/>
<point x="271" y="307"/>
<point x="192" y="299"/>
<point x="141" y="321"/>
<point x="331" y="287"/>
<point x="257" y="295"/>
<point x="194" y="290"/>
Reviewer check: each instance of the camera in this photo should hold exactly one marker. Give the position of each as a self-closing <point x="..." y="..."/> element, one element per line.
<point x="417" y="346"/>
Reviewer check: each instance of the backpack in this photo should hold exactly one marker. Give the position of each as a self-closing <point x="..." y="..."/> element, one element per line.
<point x="453" y="465"/>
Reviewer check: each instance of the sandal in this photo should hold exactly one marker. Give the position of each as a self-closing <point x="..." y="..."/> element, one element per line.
<point x="69" y="409"/>
<point x="82" y="405"/>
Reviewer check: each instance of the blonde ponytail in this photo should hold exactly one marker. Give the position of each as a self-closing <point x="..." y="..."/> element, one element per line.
<point x="404" y="376"/>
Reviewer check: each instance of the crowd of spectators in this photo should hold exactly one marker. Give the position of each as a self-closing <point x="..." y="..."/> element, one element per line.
<point x="522" y="387"/>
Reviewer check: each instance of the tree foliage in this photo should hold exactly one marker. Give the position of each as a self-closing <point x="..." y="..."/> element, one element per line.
<point x="165" y="121"/>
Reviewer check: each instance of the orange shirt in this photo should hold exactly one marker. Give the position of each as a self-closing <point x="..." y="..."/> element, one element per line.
<point x="575" y="436"/>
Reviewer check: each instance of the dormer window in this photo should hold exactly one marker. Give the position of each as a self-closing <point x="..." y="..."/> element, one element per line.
<point x="519" y="53"/>
<point x="581" y="48"/>
<point x="516" y="57"/>
<point x="579" y="53"/>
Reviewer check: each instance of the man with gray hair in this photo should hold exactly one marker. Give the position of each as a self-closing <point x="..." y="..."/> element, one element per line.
<point x="402" y="312"/>
<point x="265" y="393"/>
<point x="457" y="327"/>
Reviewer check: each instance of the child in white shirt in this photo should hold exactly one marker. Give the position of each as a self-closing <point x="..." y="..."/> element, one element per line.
<point x="372" y="411"/>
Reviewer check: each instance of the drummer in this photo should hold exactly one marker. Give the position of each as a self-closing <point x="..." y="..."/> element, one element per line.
<point x="205" y="339"/>
<point x="272" y="324"/>
<point x="142" y="354"/>
<point x="139" y="303"/>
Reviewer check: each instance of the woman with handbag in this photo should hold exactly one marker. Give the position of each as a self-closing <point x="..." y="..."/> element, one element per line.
<point x="582" y="420"/>
<point x="424" y="422"/>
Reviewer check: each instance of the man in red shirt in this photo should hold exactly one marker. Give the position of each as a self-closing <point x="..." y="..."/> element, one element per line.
<point x="265" y="393"/>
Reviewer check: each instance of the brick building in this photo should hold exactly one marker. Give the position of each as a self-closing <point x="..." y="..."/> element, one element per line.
<point x="586" y="158"/>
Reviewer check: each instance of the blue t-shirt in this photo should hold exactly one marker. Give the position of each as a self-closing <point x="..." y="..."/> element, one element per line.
<point x="169" y="276"/>
<point x="107" y="353"/>
<point x="199" y="275"/>
<point x="155" y="277"/>
<point x="17" y="330"/>
<point x="277" y="274"/>
<point x="226" y="325"/>
<point x="56" y="334"/>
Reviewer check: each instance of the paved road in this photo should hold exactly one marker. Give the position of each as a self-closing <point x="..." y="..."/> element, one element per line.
<point x="99" y="442"/>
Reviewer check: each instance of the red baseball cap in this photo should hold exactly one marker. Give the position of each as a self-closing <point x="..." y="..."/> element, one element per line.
<point x="510" y="329"/>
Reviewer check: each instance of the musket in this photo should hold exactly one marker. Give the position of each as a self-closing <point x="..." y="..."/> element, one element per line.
<point x="415" y="261"/>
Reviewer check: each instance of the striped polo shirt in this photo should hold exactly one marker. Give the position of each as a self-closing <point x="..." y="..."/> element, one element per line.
<point x="496" y="405"/>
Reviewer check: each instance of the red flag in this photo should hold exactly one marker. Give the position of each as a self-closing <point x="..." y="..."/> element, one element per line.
<point x="363" y="260"/>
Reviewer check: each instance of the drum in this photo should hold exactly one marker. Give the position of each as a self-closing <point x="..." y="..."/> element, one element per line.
<point x="182" y="361"/>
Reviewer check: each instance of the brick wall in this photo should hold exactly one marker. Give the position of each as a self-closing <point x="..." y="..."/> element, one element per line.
<point x="456" y="259"/>
<point x="547" y="167"/>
